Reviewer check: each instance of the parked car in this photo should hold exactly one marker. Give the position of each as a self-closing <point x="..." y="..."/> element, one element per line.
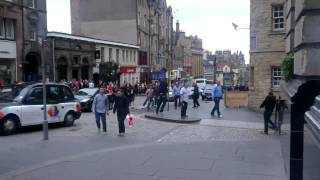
<point x="207" y="92"/>
<point x="26" y="108"/>
<point x="85" y="96"/>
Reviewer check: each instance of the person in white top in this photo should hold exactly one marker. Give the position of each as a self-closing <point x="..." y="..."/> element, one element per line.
<point x="184" y="93"/>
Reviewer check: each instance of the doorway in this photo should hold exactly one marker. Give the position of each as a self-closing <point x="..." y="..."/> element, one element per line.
<point x="75" y="74"/>
<point x="31" y="67"/>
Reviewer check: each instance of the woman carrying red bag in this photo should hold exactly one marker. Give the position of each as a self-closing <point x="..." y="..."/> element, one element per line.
<point x="121" y="106"/>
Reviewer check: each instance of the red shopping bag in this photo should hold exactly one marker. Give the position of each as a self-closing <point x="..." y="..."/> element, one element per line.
<point x="130" y="120"/>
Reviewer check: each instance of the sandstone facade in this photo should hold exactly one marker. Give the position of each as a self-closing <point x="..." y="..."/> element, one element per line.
<point x="267" y="48"/>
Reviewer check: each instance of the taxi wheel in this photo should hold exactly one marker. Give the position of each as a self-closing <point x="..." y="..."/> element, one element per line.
<point x="69" y="119"/>
<point x="9" y="126"/>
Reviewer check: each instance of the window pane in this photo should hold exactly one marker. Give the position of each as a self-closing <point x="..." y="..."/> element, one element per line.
<point x="53" y="95"/>
<point x="36" y="96"/>
<point x="67" y="94"/>
<point x="9" y="27"/>
<point x="1" y="27"/>
<point x="31" y="3"/>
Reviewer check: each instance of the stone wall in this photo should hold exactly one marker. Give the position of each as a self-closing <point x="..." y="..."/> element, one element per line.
<point x="262" y="76"/>
<point x="269" y="51"/>
<point x="105" y="19"/>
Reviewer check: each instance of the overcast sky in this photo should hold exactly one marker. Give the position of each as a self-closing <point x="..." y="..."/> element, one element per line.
<point x="209" y="19"/>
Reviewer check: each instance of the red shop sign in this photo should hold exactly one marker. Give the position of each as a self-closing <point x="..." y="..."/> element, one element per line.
<point x="128" y="69"/>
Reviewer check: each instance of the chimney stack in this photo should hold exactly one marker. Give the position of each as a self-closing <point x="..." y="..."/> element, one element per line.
<point x="177" y="27"/>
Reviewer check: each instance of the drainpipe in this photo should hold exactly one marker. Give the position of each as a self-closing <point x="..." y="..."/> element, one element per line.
<point x="23" y="39"/>
<point x="53" y="60"/>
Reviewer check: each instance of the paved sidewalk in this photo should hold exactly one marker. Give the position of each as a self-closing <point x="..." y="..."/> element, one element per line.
<point x="195" y="161"/>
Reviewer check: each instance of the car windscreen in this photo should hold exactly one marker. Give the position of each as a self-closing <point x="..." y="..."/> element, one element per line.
<point x="13" y="94"/>
<point x="87" y="92"/>
<point x="200" y="81"/>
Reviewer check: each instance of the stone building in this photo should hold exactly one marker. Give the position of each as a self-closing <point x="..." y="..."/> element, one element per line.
<point x="72" y="57"/>
<point x="197" y="57"/>
<point x="187" y="53"/>
<point x="303" y="88"/>
<point x="267" y="49"/>
<point x="124" y="55"/>
<point x="143" y="23"/>
<point x="208" y="65"/>
<point x="22" y="23"/>
<point x="79" y="57"/>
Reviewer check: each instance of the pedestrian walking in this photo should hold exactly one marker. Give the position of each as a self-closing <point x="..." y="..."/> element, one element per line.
<point x="184" y="93"/>
<point x="149" y="95"/>
<point x="195" y="96"/>
<point x="269" y="104"/>
<point x="163" y="90"/>
<point x="121" y="106"/>
<point x="176" y="95"/>
<point x="217" y="96"/>
<point x="101" y="109"/>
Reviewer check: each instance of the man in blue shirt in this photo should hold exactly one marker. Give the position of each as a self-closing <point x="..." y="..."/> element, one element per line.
<point x="176" y="95"/>
<point x="100" y="107"/>
<point x="217" y="94"/>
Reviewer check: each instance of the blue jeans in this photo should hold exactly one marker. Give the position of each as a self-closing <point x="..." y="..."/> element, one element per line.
<point x="216" y="106"/>
<point x="102" y="117"/>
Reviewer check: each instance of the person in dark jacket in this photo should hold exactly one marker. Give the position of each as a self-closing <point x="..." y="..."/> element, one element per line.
<point x="269" y="104"/>
<point x="121" y="106"/>
<point x="195" y="96"/>
<point x="163" y="90"/>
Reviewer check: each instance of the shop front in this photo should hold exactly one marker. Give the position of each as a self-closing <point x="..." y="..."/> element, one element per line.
<point x="129" y="75"/>
<point x="8" y="58"/>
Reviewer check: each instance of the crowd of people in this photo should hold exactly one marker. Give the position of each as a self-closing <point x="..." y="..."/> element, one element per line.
<point x="158" y="94"/>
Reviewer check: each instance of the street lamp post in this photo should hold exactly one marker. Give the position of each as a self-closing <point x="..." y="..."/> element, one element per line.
<point x="45" y="120"/>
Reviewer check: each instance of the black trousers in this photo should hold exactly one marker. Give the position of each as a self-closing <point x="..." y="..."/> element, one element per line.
<point x="121" y="119"/>
<point x="177" y="101"/>
<point x="195" y="102"/>
<point x="184" y="107"/>
<point x="161" y="103"/>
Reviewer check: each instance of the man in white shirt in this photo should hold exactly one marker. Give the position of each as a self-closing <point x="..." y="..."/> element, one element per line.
<point x="184" y="93"/>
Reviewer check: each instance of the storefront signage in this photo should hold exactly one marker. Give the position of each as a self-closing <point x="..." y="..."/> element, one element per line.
<point x="8" y="49"/>
<point x="158" y="75"/>
<point x="128" y="69"/>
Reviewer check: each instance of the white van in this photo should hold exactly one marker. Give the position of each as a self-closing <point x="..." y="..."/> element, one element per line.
<point x="201" y="83"/>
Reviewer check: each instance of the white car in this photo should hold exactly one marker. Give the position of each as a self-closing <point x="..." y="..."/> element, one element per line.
<point x="26" y="108"/>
